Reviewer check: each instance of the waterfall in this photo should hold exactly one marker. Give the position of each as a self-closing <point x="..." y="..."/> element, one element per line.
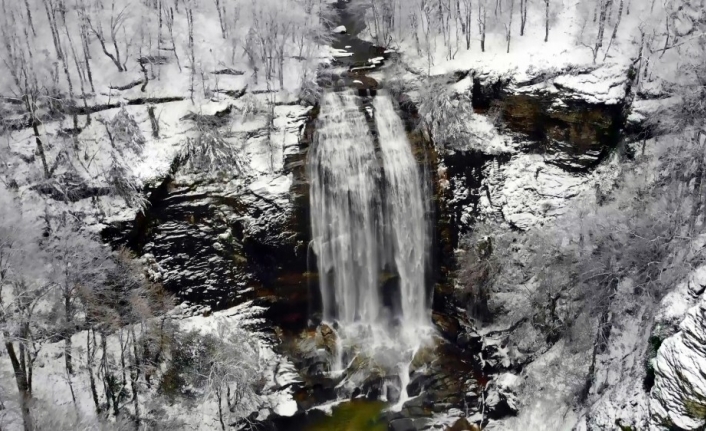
<point x="405" y="211"/>
<point x="370" y="232"/>
<point x="343" y="211"/>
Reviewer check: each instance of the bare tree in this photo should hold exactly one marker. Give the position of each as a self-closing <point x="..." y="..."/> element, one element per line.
<point x="508" y="25"/>
<point x="225" y="370"/>
<point x="221" y="18"/>
<point x="85" y="41"/>
<point x="78" y="261"/>
<point x="118" y="18"/>
<point x="22" y="289"/>
<point x="604" y="6"/>
<point x="19" y="63"/>
<point x="482" y="21"/>
<point x="615" y="29"/>
<point x="466" y="21"/>
<point x="30" y="22"/>
<point x="192" y="54"/>
<point x="523" y="16"/>
<point x="546" y="20"/>
<point x="169" y="22"/>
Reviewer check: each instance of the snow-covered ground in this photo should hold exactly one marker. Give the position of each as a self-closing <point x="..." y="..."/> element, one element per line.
<point x="258" y="118"/>
<point x="51" y="386"/>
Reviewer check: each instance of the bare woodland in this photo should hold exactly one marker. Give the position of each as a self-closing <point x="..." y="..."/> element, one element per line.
<point x="64" y="65"/>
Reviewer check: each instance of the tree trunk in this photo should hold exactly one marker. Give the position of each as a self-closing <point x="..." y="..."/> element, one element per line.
<point x="523" y="16"/>
<point x="52" y="28"/>
<point x="482" y="24"/>
<point x="546" y="20"/>
<point x="68" y="354"/>
<point x="615" y="30"/>
<point x="29" y="103"/>
<point x="29" y="18"/>
<point x="153" y="121"/>
<point x="23" y="386"/>
<point x="87" y="56"/>
<point x="68" y="310"/>
<point x="90" y="356"/>
<point x="220" y="19"/>
<point x="109" y="380"/>
<point x="219" y="399"/>
<point x="134" y="377"/>
<point x="605" y="5"/>
<point x="509" y="26"/>
<point x="190" y="22"/>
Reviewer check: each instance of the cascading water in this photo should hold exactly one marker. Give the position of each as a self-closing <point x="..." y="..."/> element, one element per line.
<point x="369" y="226"/>
<point x="343" y="211"/>
<point x="406" y="221"/>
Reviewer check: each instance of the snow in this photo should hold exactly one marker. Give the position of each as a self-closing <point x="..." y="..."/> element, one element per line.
<point x="679" y="301"/>
<point x="51" y="387"/>
<point x="545" y="380"/>
<point x="339" y="53"/>
<point x="88" y="155"/>
<point x="526" y="190"/>
<point x="680" y="384"/>
<point x="341" y="29"/>
<point x="529" y="54"/>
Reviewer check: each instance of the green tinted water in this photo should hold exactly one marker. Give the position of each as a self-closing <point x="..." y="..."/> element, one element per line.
<point x="356" y="415"/>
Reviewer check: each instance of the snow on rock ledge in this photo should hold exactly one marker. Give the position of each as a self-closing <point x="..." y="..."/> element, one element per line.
<point x="526" y="190"/>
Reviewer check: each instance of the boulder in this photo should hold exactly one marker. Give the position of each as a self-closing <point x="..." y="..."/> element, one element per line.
<point x="501" y="399"/>
<point x="403" y="424"/>
<point x="327" y="338"/>
<point x="463" y="425"/>
<point x="678" y="396"/>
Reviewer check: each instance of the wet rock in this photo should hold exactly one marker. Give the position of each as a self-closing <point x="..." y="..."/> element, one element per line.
<point x="365" y="85"/>
<point x="575" y="130"/>
<point x="448" y="326"/>
<point x="501" y="398"/>
<point x="392" y="392"/>
<point x="468" y="339"/>
<point x="403" y="424"/>
<point x="462" y="424"/>
<point x="326" y="338"/>
<point x="496" y="352"/>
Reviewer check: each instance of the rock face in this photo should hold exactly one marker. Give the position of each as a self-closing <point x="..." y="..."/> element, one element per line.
<point x="678" y="398"/>
<point x="555" y="132"/>
<point x="210" y="239"/>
